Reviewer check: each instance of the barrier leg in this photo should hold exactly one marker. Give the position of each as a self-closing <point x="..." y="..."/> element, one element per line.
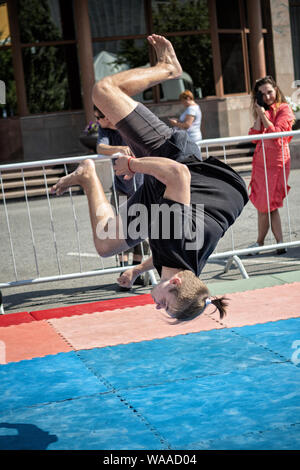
<point x="241" y="267"/>
<point x="228" y="264"/>
<point x="150" y="277"/>
<point x="1" y="304"/>
<point x="235" y="259"/>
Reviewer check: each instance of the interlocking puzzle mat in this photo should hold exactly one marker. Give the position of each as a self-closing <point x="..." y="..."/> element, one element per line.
<point x="119" y="375"/>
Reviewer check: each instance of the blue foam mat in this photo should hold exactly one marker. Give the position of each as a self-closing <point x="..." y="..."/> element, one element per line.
<point x="227" y="405"/>
<point x="89" y="423"/>
<point x="46" y="379"/>
<point x="282" y="437"/>
<point x="176" y="358"/>
<point x="222" y="389"/>
<point x="280" y="336"/>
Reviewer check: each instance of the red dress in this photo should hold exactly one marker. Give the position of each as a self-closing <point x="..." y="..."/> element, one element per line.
<point x="277" y="161"/>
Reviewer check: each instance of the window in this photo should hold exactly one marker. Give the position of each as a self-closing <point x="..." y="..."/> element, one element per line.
<point x="114" y="56"/>
<point x="9" y="107"/>
<point x="49" y="57"/>
<point x="173" y="16"/>
<point x="120" y="28"/>
<point x="8" y="102"/>
<point x="186" y="23"/>
<point x="231" y="23"/>
<point x="116" y="26"/>
<point x="232" y="63"/>
<point x="39" y="21"/>
<point x="116" y="18"/>
<point x="228" y="14"/>
<point x="210" y="38"/>
<point x="48" y="79"/>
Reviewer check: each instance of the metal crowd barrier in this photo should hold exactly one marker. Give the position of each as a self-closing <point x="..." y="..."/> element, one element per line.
<point x="233" y="256"/>
<point x="229" y="257"/>
<point x="149" y="277"/>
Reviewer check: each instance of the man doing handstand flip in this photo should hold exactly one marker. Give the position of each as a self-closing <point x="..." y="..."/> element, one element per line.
<point x="173" y="174"/>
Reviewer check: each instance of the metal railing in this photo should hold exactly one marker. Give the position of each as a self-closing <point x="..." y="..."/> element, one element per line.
<point x="38" y="278"/>
<point x="233" y="256"/>
<point x="228" y="256"/>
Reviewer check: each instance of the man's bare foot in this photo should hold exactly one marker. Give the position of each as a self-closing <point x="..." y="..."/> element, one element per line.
<point x="78" y="178"/>
<point x="165" y="54"/>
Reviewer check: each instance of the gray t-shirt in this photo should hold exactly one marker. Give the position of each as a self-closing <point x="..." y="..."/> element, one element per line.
<point x="194" y="132"/>
<point x="112" y="137"/>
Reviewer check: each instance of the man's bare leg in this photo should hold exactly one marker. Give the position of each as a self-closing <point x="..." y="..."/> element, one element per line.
<point x="112" y="94"/>
<point x="101" y="212"/>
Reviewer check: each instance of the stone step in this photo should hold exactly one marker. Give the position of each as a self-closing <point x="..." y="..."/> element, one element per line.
<point x="34" y="182"/>
<point x="236" y="161"/>
<point x="242" y="168"/>
<point x="13" y="174"/>
<point x="229" y="152"/>
<point x="239" y="158"/>
<point x="241" y="164"/>
<point x="13" y="184"/>
<point x="19" y="194"/>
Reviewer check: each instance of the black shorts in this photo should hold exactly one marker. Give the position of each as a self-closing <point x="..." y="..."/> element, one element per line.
<point x="148" y="136"/>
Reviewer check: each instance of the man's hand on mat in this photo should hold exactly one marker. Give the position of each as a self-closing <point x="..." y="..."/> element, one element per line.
<point x="128" y="277"/>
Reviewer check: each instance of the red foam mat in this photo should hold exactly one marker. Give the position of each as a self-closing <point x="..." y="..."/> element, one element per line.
<point x="92" y="307"/>
<point x="15" y="318"/>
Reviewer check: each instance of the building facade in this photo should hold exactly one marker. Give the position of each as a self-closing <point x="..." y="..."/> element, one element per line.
<point x="52" y="51"/>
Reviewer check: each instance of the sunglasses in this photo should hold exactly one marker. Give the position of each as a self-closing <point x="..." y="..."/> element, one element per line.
<point x="99" y="116"/>
<point x="267" y="77"/>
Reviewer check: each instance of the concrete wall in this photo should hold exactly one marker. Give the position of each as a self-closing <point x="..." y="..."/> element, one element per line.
<point x="221" y="117"/>
<point x="52" y="135"/>
<point x="56" y="135"/>
<point x="10" y="140"/>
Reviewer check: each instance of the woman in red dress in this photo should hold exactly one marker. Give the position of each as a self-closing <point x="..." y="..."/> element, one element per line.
<point x="272" y="114"/>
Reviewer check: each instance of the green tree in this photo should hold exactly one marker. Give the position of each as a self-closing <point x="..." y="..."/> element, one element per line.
<point x="133" y="52"/>
<point x="7" y="76"/>
<point x="178" y="15"/>
<point x="194" y="51"/>
<point x="44" y="67"/>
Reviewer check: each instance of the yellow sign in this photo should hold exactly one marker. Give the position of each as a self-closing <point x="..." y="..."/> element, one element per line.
<point x="4" y="26"/>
